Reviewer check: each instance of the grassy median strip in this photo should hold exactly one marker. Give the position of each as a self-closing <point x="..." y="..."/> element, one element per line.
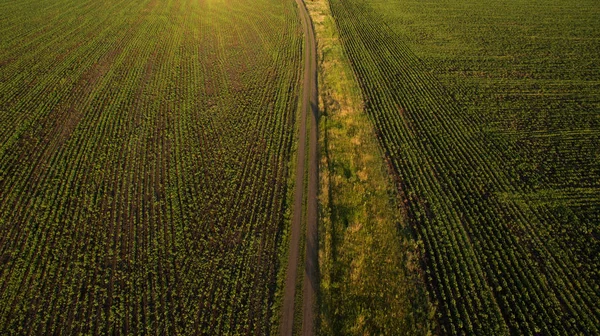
<point x="371" y="280"/>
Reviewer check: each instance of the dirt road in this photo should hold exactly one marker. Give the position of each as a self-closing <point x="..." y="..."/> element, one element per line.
<point x="310" y="111"/>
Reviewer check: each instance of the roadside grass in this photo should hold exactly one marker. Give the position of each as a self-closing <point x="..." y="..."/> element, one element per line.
<point x="370" y="264"/>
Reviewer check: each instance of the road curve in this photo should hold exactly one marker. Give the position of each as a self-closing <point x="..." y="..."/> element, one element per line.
<point x="311" y="276"/>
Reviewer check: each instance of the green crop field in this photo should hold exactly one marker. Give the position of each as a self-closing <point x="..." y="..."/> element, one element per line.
<point x="334" y="167"/>
<point x="144" y="164"/>
<point x="489" y="114"/>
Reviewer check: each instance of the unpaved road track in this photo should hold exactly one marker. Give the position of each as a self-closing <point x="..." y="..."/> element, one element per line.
<point x="309" y="111"/>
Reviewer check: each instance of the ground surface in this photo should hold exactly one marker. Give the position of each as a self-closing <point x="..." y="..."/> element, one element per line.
<point x="304" y="197"/>
<point x="149" y="180"/>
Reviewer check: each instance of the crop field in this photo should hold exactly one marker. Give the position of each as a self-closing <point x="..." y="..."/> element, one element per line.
<point x="160" y="169"/>
<point x="145" y="151"/>
<point x="489" y="115"/>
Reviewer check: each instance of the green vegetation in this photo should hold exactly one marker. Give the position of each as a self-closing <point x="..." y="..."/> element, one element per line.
<point x="144" y="164"/>
<point x="371" y="278"/>
<point x="148" y="166"/>
<point x="488" y="114"/>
